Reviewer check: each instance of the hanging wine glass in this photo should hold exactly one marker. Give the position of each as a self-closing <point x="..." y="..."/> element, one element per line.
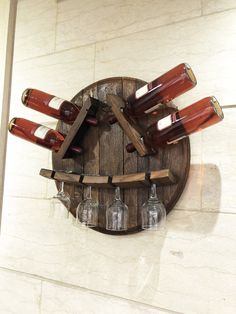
<point x="60" y="204"/>
<point x="117" y="214"/>
<point x="87" y="211"/>
<point x="153" y="212"/>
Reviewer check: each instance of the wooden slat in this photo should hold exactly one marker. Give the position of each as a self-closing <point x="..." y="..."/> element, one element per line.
<point x="91" y="144"/>
<point x="78" y="166"/>
<point x="97" y="181"/>
<point x="68" y="177"/>
<point x="130" y="163"/>
<point x="74" y="130"/>
<point x="110" y="148"/>
<point x="135" y="180"/>
<point x="162" y="177"/>
<point x="61" y="176"/>
<point x="46" y="173"/>
<point x="116" y="104"/>
<point x="143" y="163"/>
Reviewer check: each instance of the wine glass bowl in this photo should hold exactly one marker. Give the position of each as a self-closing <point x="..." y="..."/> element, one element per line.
<point x="60" y="204"/>
<point x="153" y="212"/>
<point x="87" y="211"/>
<point x="117" y="214"/>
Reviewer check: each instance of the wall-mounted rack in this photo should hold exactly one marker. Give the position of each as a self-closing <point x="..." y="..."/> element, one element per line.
<point x="105" y="162"/>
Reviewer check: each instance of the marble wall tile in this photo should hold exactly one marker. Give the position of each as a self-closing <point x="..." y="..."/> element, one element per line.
<point x="19" y="294"/>
<point x="35" y="28"/>
<point x="212" y="6"/>
<point x="220" y="139"/>
<point x="190" y="268"/>
<point x="207" y="43"/>
<point x="59" y="299"/>
<point x="83" y="22"/>
<point x="23" y="164"/>
<point x="218" y="150"/>
<point x="191" y="197"/>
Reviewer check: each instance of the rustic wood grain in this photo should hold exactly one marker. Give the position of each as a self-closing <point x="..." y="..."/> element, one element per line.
<point x="46" y="173"/>
<point x="134" y="180"/>
<point x="97" y="181"/>
<point x="90" y="144"/>
<point x="162" y="177"/>
<point x="68" y="177"/>
<point x="143" y="165"/>
<point x="134" y="136"/>
<point x="130" y="163"/>
<point x="75" y="130"/>
<point x="110" y="146"/>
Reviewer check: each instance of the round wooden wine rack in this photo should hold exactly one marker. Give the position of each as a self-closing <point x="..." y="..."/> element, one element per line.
<point x="105" y="155"/>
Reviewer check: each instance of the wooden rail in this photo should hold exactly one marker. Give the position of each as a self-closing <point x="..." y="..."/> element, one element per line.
<point x="137" y="180"/>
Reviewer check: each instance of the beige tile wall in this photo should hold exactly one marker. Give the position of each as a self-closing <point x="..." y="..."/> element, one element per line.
<point x="63" y="46"/>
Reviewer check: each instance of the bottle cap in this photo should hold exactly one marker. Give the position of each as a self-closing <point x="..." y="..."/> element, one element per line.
<point x="11" y="124"/>
<point x="25" y="95"/>
<point x="217" y="108"/>
<point x="190" y="74"/>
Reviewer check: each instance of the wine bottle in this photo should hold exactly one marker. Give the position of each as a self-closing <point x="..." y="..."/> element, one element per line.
<point x="53" y="106"/>
<point x="162" y="90"/>
<point x="39" y="134"/>
<point x="182" y="123"/>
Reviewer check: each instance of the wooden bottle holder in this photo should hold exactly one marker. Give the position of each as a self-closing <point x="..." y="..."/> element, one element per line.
<point x="105" y="162"/>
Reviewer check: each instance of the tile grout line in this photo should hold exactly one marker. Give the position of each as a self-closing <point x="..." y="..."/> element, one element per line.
<point x="203" y="211"/>
<point x="55" y="37"/>
<point x="94" y="61"/>
<point x="123" y="36"/>
<point x="202" y="171"/>
<point x="202" y="8"/>
<point x="40" y="296"/>
<point x="75" y="287"/>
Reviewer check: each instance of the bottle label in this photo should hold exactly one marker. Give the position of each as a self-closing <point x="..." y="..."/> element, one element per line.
<point x="141" y="91"/>
<point x="164" y="123"/>
<point x="55" y="103"/>
<point x="41" y="132"/>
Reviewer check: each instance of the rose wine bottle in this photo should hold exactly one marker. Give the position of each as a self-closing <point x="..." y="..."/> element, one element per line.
<point x="162" y="90"/>
<point x="39" y="134"/>
<point x="182" y="123"/>
<point x="53" y="106"/>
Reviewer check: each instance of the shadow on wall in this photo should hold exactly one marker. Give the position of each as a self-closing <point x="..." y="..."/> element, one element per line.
<point x="134" y="265"/>
<point x="211" y="188"/>
<point x="181" y="225"/>
<point x="200" y="199"/>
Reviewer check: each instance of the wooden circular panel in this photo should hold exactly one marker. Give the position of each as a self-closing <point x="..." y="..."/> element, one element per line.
<point x="105" y="154"/>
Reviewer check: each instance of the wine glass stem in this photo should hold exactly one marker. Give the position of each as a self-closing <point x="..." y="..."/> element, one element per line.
<point x="89" y="193"/>
<point x="117" y="193"/>
<point x="61" y="187"/>
<point x="153" y="191"/>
